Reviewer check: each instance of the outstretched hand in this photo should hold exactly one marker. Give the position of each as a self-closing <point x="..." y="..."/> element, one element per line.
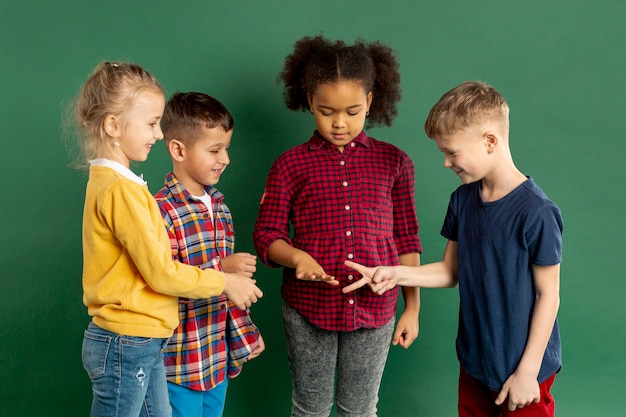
<point x="309" y="270"/>
<point x="380" y="279"/>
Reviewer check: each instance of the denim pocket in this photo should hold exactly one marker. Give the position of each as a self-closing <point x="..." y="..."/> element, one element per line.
<point x="136" y="341"/>
<point x="94" y="354"/>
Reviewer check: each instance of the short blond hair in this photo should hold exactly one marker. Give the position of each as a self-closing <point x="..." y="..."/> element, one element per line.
<point x="467" y="105"/>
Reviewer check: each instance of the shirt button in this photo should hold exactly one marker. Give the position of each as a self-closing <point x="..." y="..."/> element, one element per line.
<point x="342" y="163"/>
<point x="351" y="302"/>
<point x="350" y="277"/>
<point x="345" y="183"/>
<point x="347" y="208"/>
<point x="352" y="145"/>
<point x="350" y="256"/>
<point x="348" y="233"/>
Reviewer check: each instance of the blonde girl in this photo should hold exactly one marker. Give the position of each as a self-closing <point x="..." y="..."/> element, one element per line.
<point x="130" y="283"/>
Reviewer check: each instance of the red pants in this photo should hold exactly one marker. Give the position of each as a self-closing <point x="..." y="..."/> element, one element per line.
<point x="477" y="400"/>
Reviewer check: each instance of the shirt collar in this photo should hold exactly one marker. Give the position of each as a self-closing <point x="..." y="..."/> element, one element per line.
<point x="318" y="142"/>
<point x="119" y="168"/>
<point x="181" y="195"/>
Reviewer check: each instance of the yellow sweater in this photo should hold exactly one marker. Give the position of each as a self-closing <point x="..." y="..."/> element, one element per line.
<point x="130" y="283"/>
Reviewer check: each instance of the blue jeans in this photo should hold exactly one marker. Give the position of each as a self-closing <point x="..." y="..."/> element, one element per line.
<point x="358" y="357"/>
<point x="189" y="403"/>
<point x="127" y="374"/>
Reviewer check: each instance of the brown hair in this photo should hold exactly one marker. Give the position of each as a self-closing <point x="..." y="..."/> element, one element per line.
<point x="466" y="105"/>
<point x="186" y="113"/>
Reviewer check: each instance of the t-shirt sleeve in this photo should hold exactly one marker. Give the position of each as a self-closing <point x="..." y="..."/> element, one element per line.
<point x="544" y="236"/>
<point x="450" y="228"/>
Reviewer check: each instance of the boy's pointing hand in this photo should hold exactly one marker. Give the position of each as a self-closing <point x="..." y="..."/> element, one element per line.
<point x="378" y="278"/>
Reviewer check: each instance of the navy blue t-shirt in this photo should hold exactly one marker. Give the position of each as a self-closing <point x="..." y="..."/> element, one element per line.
<point x="497" y="244"/>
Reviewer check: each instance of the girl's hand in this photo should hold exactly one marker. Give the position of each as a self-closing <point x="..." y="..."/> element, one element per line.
<point x="240" y="263"/>
<point x="407" y="330"/>
<point x="241" y="290"/>
<point x="307" y="269"/>
<point x="380" y="279"/>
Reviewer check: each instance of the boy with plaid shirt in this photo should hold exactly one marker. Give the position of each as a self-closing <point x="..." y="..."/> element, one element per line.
<point x="214" y="338"/>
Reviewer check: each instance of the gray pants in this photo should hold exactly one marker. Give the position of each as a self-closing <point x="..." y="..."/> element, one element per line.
<point x="314" y="354"/>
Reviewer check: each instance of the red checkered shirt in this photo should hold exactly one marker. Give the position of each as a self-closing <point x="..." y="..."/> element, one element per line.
<point x="358" y="204"/>
<point x="214" y="337"/>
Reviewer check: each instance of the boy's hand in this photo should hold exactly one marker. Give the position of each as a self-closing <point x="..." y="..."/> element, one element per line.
<point x="308" y="269"/>
<point x="240" y="263"/>
<point x="521" y="389"/>
<point x="380" y="279"/>
<point x="258" y="349"/>
<point x="241" y="290"/>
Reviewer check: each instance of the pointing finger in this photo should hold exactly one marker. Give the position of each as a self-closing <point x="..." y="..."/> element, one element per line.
<point x="355" y="286"/>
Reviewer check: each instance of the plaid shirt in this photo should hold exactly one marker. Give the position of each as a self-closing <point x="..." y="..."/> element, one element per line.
<point x="213" y="335"/>
<point x="357" y="204"/>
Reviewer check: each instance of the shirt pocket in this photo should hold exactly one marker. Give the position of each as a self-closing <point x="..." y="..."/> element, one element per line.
<point x="376" y="192"/>
<point x="377" y="204"/>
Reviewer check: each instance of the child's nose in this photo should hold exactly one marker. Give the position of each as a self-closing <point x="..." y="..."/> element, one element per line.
<point x="158" y="134"/>
<point x="339" y="121"/>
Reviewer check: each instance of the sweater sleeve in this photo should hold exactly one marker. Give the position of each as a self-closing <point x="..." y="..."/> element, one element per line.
<point x="133" y="216"/>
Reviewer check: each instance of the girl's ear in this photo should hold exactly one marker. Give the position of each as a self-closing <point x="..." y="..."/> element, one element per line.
<point x="309" y="98"/>
<point x="176" y="150"/>
<point x="369" y="100"/>
<point x="112" y="126"/>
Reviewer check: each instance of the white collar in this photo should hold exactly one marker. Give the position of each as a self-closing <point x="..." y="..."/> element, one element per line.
<point x="116" y="166"/>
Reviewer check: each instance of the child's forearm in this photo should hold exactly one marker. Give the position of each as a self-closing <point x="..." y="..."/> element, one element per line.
<point x="544" y="316"/>
<point x="433" y="275"/>
<point x="284" y="254"/>
<point x="441" y="274"/>
<point x="411" y="295"/>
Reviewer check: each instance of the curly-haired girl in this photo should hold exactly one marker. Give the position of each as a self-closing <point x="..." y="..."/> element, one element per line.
<point x="347" y="196"/>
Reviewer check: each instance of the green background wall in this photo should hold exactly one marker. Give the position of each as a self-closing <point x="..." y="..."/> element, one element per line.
<point x="560" y="63"/>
